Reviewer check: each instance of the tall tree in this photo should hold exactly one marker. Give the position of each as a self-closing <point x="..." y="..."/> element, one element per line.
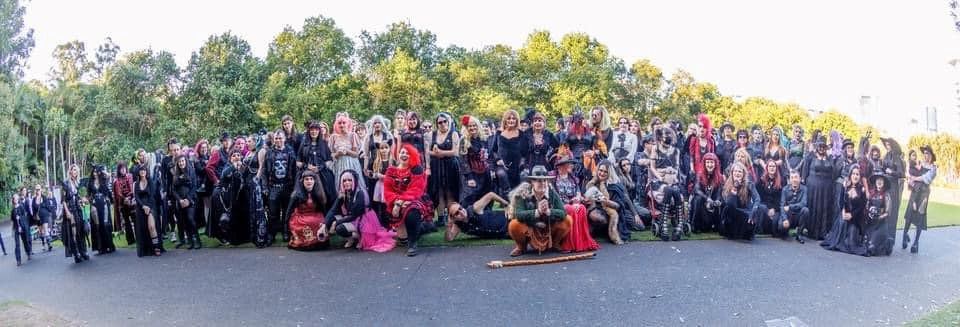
<point x="222" y="86"/>
<point x="376" y="48"/>
<point x="16" y="41"/>
<point x="401" y="83"/>
<point x="300" y="66"/>
<point x="72" y="63"/>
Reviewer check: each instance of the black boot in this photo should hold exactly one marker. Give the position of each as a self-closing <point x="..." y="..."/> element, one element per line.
<point x="906" y="239"/>
<point x="77" y="259"/>
<point x="198" y="245"/>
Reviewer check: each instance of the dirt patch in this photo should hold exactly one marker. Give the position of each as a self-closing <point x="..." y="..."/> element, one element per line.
<point x="17" y="313"/>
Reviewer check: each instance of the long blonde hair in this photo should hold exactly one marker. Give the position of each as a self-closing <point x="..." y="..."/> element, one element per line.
<point x="465" y="139"/>
<point x="507" y="114"/>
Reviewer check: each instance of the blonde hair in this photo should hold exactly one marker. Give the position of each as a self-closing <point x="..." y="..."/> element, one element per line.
<point x="507" y="114"/>
<point x="465" y="139"/>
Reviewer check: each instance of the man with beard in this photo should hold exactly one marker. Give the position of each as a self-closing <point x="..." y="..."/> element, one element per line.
<point x="539" y="219"/>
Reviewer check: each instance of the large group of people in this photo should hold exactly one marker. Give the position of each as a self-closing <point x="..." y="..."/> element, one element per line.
<point x="388" y="182"/>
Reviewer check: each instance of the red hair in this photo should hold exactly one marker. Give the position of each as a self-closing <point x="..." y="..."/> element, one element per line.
<point x="716" y="179"/>
<point x="412" y="152"/>
<point x="777" y="183"/>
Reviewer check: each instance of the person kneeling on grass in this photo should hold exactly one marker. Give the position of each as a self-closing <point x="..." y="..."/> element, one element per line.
<point x="538" y="216"/>
<point x="476" y="219"/>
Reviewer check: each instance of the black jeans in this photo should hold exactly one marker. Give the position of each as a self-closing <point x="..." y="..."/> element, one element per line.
<point x="21" y="234"/>
<point x="796" y="218"/>
<point x="414" y="224"/>
<point x="186" y="222"/>
<point x="277" y="217"/>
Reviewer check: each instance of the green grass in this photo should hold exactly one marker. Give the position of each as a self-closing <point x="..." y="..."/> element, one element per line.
<point x="946" y="316"/>
<point x="938" y="214"/>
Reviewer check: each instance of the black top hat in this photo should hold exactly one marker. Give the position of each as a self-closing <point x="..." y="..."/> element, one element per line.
<point x="847" y="142"/>
<point x="538" y="172"/>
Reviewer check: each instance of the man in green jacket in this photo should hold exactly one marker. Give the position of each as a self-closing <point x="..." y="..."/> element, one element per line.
<point x="538" y="218"/>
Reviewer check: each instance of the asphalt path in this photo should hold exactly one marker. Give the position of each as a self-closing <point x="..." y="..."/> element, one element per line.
<point x="688" y="283"/>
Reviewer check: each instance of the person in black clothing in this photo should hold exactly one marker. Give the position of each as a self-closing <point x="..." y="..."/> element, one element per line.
<point x="21" y="228"/>
<point x="204" y="185"/>
<point x="793" y="198"/>
<point x="169" y="218"/>
<point x="290" y="135"/>
<point x="278" y="172"/>
<point x="726" y="145"/>
<point x="707" y="200"/>
<point x="73" y="228"/>
<point x="817" y="174"/>
<point x="739" y="217"/>
<point x="101" y="226"/>
<point x="770" y="189"/>
<point x="185" y="200"/>
<point x="315" y="156"/>
<point x="350" y="205"/>
<point x="146" y="195"/>
<point x="478" y="219"/>
<point x="46" y="212"/>
<point x="506" y="153"/>
<point x="895" y="169"/>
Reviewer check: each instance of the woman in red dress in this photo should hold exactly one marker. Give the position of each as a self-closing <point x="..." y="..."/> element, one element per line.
<point x="307" y="205"/>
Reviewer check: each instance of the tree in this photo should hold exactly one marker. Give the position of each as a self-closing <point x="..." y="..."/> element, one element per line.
<point x="16" y="41"/>
<point x="300" y="65"/>
<point x="72" y="62"/>
<point x="376" y="48"/>
<point x="223" y="83"/>
<point x="835" y="120"/>
<point x="106" y="55"/>
<point x="401" y="83"/>
<point x="685" y="97"/>
<point x="645" y="86"/>
<point x="538" y="65"/>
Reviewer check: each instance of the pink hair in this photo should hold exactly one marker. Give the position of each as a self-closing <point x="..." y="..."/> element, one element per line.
<point x="342" y="117"/>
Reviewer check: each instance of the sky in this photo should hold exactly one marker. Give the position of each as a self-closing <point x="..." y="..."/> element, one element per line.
<point x="819" y="54"/>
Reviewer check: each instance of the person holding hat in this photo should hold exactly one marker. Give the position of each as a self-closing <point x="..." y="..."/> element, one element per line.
<point x="817" y="174"/>
<point x="879" y="242"/>
<point x="922" y="173"/>
<point x="567" y="186"/>
<point x="538" y="217"/>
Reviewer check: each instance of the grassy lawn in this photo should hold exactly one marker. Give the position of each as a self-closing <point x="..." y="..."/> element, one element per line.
<point x="946" y="316"/>
<point x="939" y="215"/>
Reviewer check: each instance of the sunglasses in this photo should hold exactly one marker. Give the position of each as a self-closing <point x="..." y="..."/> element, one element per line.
<point x="441" y="122"/>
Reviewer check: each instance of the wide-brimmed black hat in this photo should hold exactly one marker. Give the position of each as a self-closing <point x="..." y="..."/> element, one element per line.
<point x="726" y="125"/>
<point x="873" y="181"/>
<point x="928" y="149"/>
<point x="847" y="142"/>
<point x="538" y="172"/>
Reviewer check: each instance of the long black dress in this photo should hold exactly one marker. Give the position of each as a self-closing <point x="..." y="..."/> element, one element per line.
<point x="445" y="171"/>
<point x="230" y="197"/>
<point x="74" y="244"/>
<point x="819" y="177"/>
<point x="102" y="227"/>
<point x="847" y="235"/>
<point x="879" y="241"/>
<point x="146" y="195"/>
<point x="916" y="213"/>
<point x="510" y="150"/>
<point x="317" y="153"/>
